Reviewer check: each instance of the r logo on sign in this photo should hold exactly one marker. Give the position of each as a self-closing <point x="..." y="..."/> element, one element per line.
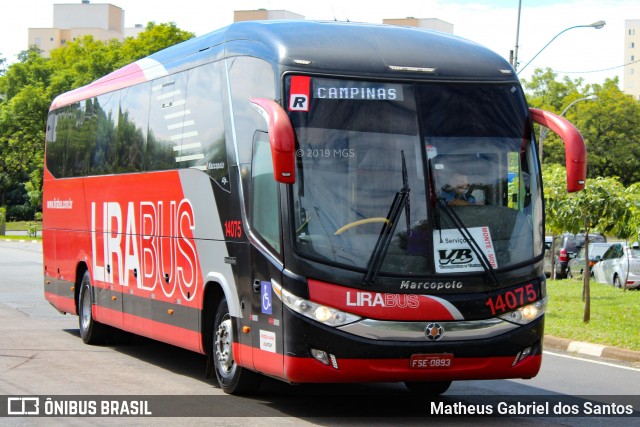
<point x="298" y="102"/>
<point x="299" y="93"/>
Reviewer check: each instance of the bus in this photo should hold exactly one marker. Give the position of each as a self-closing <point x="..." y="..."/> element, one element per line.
<point x="271" y="195"/>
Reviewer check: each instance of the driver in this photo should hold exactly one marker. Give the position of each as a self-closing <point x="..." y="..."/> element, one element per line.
<point x="457" y="192"/>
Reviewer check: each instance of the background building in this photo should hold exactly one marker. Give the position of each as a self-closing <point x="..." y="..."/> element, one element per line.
<point x="428" y="23"/>
<point x="631" y="82"/>
<point x="263" y="14"/>
<point x="70" y="21"/>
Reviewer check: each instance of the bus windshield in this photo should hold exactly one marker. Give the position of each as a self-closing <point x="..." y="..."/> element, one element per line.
<point x="462" y="152"/>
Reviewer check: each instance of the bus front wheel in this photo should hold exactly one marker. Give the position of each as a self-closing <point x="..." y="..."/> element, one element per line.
<point x="233" y="379"/>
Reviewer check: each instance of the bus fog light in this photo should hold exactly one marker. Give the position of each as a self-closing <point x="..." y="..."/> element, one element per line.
<point x="334" y="361"/>
<point x="521" y="356"/>
<point x="320" y="355"/>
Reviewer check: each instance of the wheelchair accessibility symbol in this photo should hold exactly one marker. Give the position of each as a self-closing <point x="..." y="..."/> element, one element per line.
<point x="266" y="297"/>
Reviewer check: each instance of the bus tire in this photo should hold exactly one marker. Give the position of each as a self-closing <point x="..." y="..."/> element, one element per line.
<point x="432" y="388"/>
<point x="232" y="378"/>
<point x="91" y="331"/>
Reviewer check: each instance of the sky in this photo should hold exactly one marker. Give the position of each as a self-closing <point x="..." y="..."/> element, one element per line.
<point x="576" y="53"/>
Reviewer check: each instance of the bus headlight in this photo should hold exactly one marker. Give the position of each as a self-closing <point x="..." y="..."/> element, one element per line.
<point x="527" y="313"/>
<point x="320" y="313"/>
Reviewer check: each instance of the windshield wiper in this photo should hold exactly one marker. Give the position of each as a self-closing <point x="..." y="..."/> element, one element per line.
<point x="400" y="202"/>
<point x="475" y="247"/>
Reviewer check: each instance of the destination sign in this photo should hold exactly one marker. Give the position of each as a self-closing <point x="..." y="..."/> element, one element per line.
<point x="356" y="90"/>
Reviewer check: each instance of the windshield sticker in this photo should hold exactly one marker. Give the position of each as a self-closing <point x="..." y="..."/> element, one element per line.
<point x="299" y="93"/>
<point x="453" y="252"/>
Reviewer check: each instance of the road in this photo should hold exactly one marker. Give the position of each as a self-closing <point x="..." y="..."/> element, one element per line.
<point x="41" y="354"/>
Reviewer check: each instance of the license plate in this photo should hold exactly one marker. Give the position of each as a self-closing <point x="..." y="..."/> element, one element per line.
<point x="431" y="361"/>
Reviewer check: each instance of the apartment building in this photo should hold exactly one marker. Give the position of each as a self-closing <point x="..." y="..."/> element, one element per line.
<point x="428" y="23"/>
<point x="631" y="80"/>
<point x="103" y="21"/>
<point x="263" y="14"/>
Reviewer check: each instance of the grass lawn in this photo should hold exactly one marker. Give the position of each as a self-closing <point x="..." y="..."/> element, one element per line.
<point x="614" y="314"/>
<point x="23" y="225"/>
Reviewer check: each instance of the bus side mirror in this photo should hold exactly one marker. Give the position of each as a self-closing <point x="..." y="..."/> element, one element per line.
<point x="575" y="150"/>
<point x="281" y="139"/>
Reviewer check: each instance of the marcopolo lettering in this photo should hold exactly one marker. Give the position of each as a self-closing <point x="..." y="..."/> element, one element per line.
<point x="430" y="286"/>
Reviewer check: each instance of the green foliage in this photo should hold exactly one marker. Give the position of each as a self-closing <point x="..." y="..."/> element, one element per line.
<point x="154" y="38"/>
<point x="609" y="124"/>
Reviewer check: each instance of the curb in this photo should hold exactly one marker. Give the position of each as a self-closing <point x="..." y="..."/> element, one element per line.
<point x="25" y="240"/>
<point x="589" y="349"/>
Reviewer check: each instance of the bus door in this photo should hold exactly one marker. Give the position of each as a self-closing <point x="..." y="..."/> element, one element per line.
<point x="264" y="214"/>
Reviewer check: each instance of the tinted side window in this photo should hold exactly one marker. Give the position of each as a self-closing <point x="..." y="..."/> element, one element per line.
<point x="609" y="253"/>
<point x="133" y="127"/>
<point x="78" y="143"/>
<point x="103" y="153"/>
<point x="168" y="128"/>
<point x="264" y="193"/>
<point x="203" y="113"/>
<point x="249" y="78"/>
<point x="570" y="245"/>
<point x="57" y="128"/>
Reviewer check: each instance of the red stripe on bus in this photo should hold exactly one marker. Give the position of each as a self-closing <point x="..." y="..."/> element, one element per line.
<point x="126" y="76"/>
<point x="377" y="305"/>
<point x="63" y="304"/>
<point x="308" y="370"/>
<point x="263" y="361"/>
<point x="167" y="333"/>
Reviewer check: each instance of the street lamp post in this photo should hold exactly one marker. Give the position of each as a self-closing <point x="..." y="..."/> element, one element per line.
<point x="597" y="25"/>
<point x="544" y="130"/>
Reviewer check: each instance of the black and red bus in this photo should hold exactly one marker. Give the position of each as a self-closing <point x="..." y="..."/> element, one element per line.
<point x="276" y="195"/>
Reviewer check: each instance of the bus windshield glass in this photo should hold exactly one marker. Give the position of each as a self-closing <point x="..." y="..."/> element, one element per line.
<point x="462" y="152"/>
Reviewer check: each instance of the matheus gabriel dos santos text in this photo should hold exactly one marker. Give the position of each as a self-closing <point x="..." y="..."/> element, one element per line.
<point x="586" y="408"/>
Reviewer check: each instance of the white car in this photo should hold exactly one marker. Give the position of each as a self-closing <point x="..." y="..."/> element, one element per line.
<point x="619" y="266"/>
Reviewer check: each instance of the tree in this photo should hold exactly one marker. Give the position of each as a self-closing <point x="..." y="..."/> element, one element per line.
<point x="611" y="128"/>
<point x="22" y="122"/>
<point x="80" y="62"/>
<point x="154" y="38"/>
<point x="28" y="87"/>
<point x="544" y="91"/>
<point x="601" y="206"/>
<point x="555" y="193"/>
<point x="610" y="124"/>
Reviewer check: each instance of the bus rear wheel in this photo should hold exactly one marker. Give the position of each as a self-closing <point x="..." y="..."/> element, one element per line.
<point x="433" y="388"/>
<point x="91" y="331"/>
<point x="233" y="379"/>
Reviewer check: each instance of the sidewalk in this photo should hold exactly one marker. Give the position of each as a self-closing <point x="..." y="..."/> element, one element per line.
<point x="597" y="350"/>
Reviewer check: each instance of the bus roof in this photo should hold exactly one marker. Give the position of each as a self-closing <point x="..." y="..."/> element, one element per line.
<point x="342" y="48"/>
